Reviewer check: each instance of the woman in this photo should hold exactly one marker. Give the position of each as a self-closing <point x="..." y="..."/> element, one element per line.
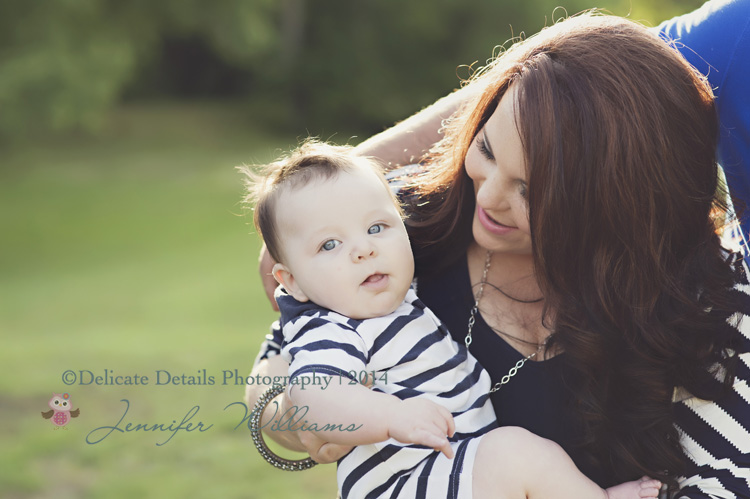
<point x="574" y="203"/>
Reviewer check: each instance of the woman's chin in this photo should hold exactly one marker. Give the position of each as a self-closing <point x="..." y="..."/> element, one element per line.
<point x="515" y="243"/>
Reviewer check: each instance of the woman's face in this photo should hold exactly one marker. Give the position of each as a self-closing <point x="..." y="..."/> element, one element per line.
<point x="495" y="162"/>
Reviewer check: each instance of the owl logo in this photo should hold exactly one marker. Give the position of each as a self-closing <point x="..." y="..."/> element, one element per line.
<point x="60" y="412"/>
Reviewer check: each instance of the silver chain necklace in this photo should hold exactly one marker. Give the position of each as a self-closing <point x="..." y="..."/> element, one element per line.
<point x="472" y="320"/>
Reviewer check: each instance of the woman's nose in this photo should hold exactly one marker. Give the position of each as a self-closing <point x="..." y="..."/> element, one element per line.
<point x="491" y="195"/>
<point x="363" y="250"/>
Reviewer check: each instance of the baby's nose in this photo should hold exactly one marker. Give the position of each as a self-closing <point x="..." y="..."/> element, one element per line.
<point x="363" y="251"/>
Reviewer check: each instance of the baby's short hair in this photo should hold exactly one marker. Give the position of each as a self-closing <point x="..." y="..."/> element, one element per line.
<point x="313" y="160"/>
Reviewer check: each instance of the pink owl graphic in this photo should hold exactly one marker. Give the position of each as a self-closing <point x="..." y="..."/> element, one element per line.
<point x="60" y="412"/>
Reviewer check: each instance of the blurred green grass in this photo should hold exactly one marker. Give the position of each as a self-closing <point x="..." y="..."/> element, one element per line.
<point x="130" y="252"/>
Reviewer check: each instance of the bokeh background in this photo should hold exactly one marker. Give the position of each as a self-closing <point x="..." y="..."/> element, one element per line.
<point x="124" y="245"/>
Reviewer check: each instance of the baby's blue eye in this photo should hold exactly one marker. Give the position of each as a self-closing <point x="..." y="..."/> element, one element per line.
<point x="329" y="245"/>
<point x="376" y="229"/>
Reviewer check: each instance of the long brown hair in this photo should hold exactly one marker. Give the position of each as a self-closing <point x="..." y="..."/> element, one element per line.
<point x="619" y="134"/>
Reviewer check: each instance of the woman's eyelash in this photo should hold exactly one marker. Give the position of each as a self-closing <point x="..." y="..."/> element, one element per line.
<point x="482" y="145"/>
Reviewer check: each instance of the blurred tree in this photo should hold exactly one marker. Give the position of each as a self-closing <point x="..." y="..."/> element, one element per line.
<point x="362" y="64"/>
<point x="61" y="64"/>
<point x="313" y="66"/>
<point x="64" y="63"/>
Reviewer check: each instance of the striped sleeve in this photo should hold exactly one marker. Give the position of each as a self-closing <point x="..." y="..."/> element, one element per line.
<point x="716" y="439"/>
<point x="315" y="344"/>
<point x="271" y="345"/>
<point x="716" y="434"/>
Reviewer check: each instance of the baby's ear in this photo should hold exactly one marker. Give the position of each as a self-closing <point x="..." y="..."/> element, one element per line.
<point x="284" y="277"/>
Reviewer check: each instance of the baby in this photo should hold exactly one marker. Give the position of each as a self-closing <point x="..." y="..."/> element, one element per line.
<point x="427" y="427"/>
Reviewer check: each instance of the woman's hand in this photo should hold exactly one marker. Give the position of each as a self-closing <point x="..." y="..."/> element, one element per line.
<point x="272" y="367"/>
<point x="320" y="451"/>
<point x="265" y="266"/>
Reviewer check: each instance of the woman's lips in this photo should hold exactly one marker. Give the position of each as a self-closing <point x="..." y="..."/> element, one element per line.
<point x="376" y="282"/>
<point x="492" y="225"/>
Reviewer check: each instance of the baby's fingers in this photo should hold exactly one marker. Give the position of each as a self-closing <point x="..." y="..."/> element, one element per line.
<point x="649" y="487"/>
<point x="444" y="420"/>
<point x="445" y="449"/>
<point x="451" y="423"/>
<point x="436" y="441"/>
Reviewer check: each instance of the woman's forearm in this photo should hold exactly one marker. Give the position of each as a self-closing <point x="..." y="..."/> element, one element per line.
<point x="274" y="366"/>
<point x="406" y="142"/>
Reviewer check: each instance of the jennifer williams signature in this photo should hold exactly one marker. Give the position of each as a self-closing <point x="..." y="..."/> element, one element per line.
<point x="290" y="420"/>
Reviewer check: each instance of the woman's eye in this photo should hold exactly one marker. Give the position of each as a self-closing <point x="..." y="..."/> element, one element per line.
<point x="329" y="245"/>
<point x="482" y="146"/>
<point x="376" y="229"/>
<point x="524" y="191"/>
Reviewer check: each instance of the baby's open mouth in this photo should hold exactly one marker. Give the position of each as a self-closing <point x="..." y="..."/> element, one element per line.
<point x="376" y="281"/>
<point x="375" y="278"/>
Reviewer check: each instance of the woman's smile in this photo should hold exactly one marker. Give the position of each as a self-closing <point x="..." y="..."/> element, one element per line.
<point x="491" y="224"/>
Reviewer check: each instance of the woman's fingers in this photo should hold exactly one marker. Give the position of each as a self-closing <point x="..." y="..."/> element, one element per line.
<point x="321" y="451"/>
<point x="330" y="453"/>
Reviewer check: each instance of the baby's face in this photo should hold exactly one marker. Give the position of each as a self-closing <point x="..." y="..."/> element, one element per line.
<point x="345" y="245"/>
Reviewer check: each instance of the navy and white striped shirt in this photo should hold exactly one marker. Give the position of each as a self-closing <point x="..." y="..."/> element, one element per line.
<point x="412" y="355"/>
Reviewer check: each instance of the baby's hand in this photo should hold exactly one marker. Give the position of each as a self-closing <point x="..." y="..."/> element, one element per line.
<point x="419" y="421"/>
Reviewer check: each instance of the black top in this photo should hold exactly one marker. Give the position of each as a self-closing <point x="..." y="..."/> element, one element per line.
<point x="535" y="398"/>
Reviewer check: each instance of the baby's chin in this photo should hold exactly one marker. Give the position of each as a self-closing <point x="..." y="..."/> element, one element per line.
<point x="373" y="309"/>
<point x="369" y="315"/>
